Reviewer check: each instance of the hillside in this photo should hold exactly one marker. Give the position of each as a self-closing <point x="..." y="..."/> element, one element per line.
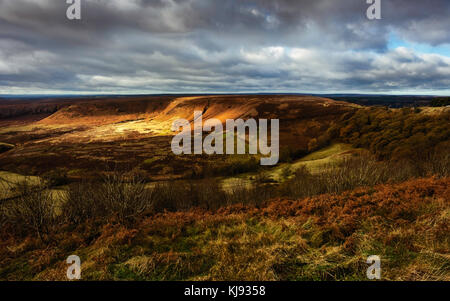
<point x="220" y="107"/>
<point x="327" y="237"/>
<point x="107" y="187"/>
<point x="130" y="132"/>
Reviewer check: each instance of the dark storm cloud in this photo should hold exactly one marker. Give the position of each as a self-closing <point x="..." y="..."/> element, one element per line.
<point x="211" y="45"/>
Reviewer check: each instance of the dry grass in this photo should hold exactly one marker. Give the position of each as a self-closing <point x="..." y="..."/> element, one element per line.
<point x="327" y="237"/>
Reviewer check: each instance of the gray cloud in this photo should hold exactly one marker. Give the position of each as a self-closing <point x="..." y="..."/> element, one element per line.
<point x="138" y="46"/>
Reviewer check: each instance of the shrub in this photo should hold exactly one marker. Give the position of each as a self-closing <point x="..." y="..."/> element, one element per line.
<point x="354" y="172"/>
<point x="80" y="204"/>
<point x="57" y="177"/>
<point x="438" y="162"/>
<point x="256" y="194"/>
<point x="33" y="210"/>
<point x="363" y="170"/>
<point x="302" y="184"/>
<point x="118" y="195"/>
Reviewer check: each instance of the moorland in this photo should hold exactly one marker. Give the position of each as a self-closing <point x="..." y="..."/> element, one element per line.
<point x="95" y="176"/>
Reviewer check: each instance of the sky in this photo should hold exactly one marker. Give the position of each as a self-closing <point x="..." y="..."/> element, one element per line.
<point x="224" y="46"/>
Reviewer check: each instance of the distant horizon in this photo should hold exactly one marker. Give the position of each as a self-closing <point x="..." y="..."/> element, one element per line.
<point x="343" y="94"/>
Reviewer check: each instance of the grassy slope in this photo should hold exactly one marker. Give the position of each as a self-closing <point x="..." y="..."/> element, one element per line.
<point x="315" y="162"/>
<point x="321" y="238"/>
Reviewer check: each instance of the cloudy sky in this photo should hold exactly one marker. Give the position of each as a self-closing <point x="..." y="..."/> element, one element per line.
<point x="203" y="46"/>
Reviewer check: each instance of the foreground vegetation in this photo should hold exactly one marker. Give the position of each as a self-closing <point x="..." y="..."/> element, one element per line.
<point x="311" y="227"/>
<point x="327" y="237"/>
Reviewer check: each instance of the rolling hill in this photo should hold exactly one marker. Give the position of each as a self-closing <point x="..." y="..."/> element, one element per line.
<point x="86" y="133"/>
